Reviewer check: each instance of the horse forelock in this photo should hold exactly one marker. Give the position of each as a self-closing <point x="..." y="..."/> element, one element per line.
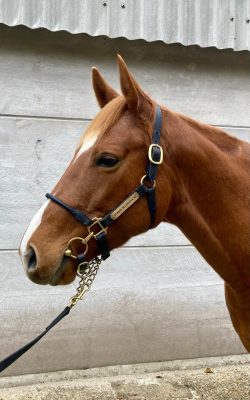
<point x="103" y="121"/>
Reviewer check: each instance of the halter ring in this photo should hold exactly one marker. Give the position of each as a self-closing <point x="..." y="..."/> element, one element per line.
<point x="149" y="187"/>
<point x="69" y="253"/>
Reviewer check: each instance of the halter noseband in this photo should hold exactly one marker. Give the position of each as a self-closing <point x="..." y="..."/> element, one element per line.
<point x="97" y="227"/>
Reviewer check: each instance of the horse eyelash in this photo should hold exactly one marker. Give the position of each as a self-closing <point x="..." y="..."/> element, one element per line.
<point x="107" y="156"/>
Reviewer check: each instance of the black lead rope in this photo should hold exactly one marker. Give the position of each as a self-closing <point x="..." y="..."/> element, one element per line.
<point x="14" y="356"/>
<point x="155" y="155"/>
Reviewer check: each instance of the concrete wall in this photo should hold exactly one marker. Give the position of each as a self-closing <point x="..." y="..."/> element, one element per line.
<point x="155" y="298"/>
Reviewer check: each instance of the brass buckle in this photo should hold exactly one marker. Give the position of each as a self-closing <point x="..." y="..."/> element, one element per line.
<point x="150" y="151"/>
<point x="96" y="221"/>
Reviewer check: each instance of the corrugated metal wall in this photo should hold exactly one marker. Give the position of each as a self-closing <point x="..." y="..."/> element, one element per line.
<point x="220" y="23"/>
<point x="154" y="299"/>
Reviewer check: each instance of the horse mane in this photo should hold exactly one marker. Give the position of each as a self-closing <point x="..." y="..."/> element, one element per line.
<point x="217" y="136"/>
<point x="105" y="119"/>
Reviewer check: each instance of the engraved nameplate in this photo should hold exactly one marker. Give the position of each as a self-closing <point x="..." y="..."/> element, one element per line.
<point x="125" y="205"/>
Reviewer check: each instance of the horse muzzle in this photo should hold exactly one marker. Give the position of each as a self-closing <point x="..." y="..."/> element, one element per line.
<point x="61" y="272"/>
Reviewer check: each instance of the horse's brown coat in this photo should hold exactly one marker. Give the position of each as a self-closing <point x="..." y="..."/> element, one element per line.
<point x="203" y="187"/>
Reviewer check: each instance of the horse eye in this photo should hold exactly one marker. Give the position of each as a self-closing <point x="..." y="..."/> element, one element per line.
<point x="106" y="160"/>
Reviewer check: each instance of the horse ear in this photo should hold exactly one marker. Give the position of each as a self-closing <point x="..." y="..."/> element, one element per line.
<point x="135" y="97"/>
<point x="104" y="93"/>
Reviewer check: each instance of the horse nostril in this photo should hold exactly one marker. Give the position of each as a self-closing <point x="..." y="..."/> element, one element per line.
<point x="31" y="259"/>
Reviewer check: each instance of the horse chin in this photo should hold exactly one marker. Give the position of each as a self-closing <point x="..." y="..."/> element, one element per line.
<point x="65" y="273"/>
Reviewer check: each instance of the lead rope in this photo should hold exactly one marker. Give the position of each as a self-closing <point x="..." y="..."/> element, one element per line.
<point x="87" y="272"/>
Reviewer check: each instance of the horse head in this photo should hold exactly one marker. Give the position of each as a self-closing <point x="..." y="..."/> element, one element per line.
<point x="109" y="162"/>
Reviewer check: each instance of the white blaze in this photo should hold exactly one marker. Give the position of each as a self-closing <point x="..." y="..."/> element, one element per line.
<point x="35" y="222"/>
<point x="86" y="145"/>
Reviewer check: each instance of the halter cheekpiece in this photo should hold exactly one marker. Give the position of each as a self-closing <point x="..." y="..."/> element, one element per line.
<point x="97" y="227"/>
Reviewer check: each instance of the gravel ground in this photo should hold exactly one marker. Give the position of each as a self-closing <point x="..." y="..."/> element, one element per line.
<point x="219" y="378"/>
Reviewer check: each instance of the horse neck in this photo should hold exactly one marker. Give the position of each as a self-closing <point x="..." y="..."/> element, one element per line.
<point x="210" y="185"/>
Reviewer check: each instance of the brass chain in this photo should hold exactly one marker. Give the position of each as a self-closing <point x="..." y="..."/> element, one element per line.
<point x="86" y="271"/>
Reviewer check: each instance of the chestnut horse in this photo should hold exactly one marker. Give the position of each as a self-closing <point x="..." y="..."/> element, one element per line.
<point x="203" y="187"/>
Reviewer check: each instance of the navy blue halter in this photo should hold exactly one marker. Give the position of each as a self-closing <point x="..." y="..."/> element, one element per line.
<point x="155" y="156"/>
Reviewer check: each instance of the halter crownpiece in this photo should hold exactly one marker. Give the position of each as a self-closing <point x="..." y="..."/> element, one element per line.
<point x="98" y="227"/>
